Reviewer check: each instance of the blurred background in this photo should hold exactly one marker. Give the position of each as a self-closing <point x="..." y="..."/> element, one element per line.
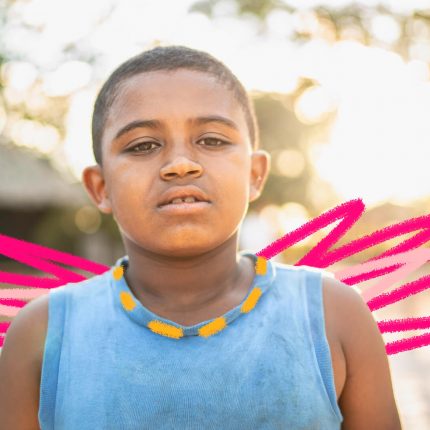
<point x="342" y="95"/>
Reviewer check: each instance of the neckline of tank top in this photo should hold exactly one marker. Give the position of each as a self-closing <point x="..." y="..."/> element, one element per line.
<point x="264" y="276"/>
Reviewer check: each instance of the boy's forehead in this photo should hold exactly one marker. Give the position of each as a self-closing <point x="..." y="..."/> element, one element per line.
<point x="181" y="82"/>
<point x="172" y="95"/>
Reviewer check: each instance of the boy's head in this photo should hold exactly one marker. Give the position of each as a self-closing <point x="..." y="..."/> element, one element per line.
<point x="175" y="122"/>
<point x="167" y="59"/>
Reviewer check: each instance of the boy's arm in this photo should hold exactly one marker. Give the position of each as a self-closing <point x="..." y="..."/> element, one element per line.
<point x="367" y="400"/>
<point x="20" y="367"/>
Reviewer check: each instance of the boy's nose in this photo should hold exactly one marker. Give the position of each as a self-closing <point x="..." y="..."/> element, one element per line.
<point x="181" y="166"/>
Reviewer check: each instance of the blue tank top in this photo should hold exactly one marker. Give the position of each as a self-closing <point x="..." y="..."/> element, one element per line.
<point x="111" y="363"/>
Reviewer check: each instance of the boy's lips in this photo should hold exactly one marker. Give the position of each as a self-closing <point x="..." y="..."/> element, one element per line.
<point x="181" y="193"/>
<point x="184" y="208"/>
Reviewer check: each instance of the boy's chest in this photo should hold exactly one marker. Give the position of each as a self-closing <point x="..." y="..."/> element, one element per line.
<point x="337" y="355"/>
<point x="263" y="384"/>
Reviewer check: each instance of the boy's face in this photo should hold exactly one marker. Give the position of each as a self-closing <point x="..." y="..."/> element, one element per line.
<point x="173" y="115"/>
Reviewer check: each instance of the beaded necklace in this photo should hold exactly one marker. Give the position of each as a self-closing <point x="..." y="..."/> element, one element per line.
<point x="128" y="302"/>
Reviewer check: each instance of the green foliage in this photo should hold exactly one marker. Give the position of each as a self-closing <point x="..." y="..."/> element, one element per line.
<point x="259" y="8"/>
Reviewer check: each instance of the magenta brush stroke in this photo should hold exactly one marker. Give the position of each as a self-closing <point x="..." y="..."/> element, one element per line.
<point x="404" y="324"/>
<point x="400" y="293"/>
<point x="13" y="302"/>
<point x="407" y="344"/>
<point x="348" y="213"/>
<point x="403" y="260"/>
<point x="36" y="256"/>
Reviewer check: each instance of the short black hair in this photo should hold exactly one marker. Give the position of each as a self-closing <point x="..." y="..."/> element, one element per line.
<point x="167" y="58"/>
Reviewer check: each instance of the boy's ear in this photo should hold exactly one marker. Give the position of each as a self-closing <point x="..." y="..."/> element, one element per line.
<point x="260" y="167"/>
<point x="93" y="180"/>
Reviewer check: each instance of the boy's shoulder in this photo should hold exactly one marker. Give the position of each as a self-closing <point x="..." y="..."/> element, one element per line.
<point x="32" y="319"/>
<point x="351" y="330"/>
<point x="302" y="268"/>
<point x="85" y="288"/>
<point x="363" y="357"/>
<point x="300" y="275"/>
<point x="338" y="299"/>
<point x="330" y="284"/>
<point x="27" y="333"/>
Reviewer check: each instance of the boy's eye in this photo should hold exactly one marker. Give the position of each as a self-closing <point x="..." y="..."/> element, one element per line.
<point x="213" y="141"/>
<point x="142" y="147"/>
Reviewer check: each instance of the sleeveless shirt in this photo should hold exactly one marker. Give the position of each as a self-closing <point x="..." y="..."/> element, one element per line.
<point x="111" y="363"/>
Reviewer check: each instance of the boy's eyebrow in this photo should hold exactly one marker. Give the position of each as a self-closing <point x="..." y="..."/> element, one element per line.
<point x="140" y="123"/>
<point x="215" y="118"/>
<point x="154" y="123"/>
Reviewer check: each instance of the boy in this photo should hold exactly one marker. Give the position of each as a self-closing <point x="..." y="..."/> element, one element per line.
<point x="184" y="332"/>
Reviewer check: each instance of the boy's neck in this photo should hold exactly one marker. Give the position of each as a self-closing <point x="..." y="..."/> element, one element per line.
<point x="189" y="291"/>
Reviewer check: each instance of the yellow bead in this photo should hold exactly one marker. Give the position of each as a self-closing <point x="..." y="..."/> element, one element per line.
<point x="213" y="327"/>
<point x="165" y="329"/>
<point x="118" y="273"/>
<point x="127" y="300"/>
<point x="261" y="266"/>
<point x="251" y="300"/>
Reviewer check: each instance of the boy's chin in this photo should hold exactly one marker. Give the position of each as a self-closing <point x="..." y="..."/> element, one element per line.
<point x="187" y="249"/>
<point x="185" y="246"/>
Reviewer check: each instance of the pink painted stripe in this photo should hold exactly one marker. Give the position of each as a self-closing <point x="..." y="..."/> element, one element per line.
<point x="9" y="311"/>
<point x="408" y="261"/>
<point x="22" y="293"/>
<point x="33" y="281"/>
